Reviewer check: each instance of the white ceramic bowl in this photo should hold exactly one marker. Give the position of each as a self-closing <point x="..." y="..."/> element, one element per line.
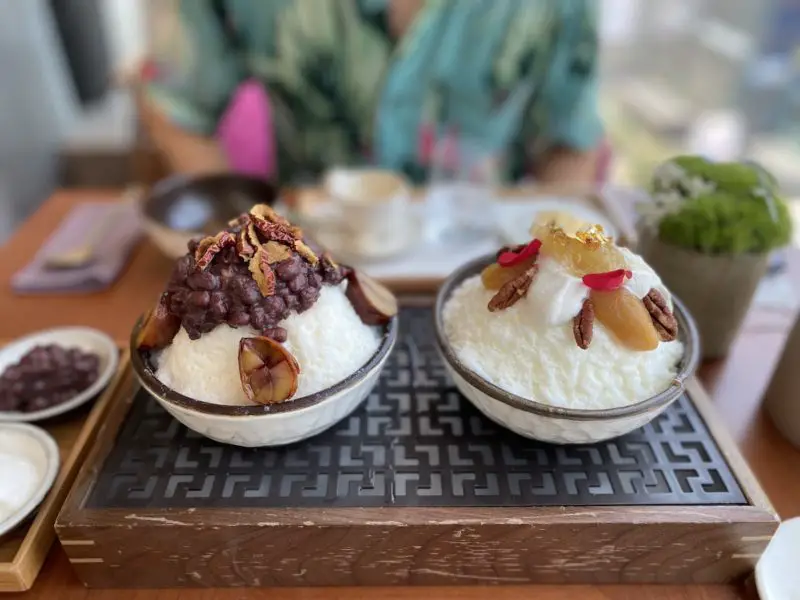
<point x="267" y="425"/>
<point x="551" y="423"/>
<point x="85" y="338"/>
<point x="35" y="446"/>
<point x="183" y="207"/>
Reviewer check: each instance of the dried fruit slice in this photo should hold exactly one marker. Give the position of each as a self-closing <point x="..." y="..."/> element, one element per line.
<point x="274" y="231"/>
<point x="265" y="211"/>
<point x="276" y="252"/>
<point x="268" y="372"/>
<point x="306" y="252"/>
<point x="252" y="235"/>
<point x="206" y="251"/>
<point x="159" y="327"/>
<point x="243" y="246"/>
<point x="494" y="276"/>
<point x="262" y="272"/>
<point x="581" y="256"/>
<point x="372" y="301"/>
<point x="626" y="317"/>
<point x="202" y="246"/>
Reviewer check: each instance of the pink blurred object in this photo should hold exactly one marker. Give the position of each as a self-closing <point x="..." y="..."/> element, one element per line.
<point x="605" y="157"/>
<point x="246" y="133"/>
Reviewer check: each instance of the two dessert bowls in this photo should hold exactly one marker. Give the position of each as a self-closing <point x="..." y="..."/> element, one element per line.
<point x="261" y="339"/>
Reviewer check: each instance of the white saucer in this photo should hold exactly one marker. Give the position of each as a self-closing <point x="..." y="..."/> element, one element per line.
<point x="85" y="338"/>
<point x="36" y="446"/>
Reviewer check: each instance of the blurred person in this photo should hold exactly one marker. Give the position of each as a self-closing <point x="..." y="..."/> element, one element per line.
<point x="353" y="82"/>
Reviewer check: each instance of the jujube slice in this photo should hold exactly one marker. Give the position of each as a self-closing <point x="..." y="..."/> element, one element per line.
<point x="373" y="302"/>
<point x="268" y="372"/>
<point x="209" y="248"/>
<point x="262" y="272"/>
<point x="624" y="315"/>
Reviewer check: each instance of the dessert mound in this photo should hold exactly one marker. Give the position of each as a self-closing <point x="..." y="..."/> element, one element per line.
<point x="569" y="319"/>
<point x="247" y="305"/>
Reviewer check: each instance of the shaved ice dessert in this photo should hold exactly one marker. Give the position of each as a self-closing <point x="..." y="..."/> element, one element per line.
<point x="570" y="320"/>
<point x="258" y="315"/>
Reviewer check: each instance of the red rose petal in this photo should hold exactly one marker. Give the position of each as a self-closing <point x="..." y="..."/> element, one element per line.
<point x="606" y="282"/>
<point x="509" y="259"/>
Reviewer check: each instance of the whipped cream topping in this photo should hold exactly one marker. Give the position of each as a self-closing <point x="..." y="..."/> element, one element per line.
<point x="644" y="278"/>
<point x="555" y="296"/>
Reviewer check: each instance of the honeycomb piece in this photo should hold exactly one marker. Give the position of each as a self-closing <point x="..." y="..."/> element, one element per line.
<point x="581" y="256"/>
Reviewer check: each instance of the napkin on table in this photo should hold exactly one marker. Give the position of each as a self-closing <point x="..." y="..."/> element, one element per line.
<point x="111" y="251"/>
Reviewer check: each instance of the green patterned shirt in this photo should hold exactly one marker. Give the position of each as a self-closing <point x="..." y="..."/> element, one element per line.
<point x="514" y="77"/>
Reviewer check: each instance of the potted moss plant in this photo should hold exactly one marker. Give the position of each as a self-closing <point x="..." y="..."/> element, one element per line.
<point x="709" y="233"/>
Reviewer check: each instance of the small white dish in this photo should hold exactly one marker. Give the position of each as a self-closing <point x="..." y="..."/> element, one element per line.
<point x="85" y="338"/>
<point x="515" y="217"/>
<point x="21" y="443"/>
<point x="777" y="576"/>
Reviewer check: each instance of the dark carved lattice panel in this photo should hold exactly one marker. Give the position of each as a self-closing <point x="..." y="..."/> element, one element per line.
<point x="415" y="442"/>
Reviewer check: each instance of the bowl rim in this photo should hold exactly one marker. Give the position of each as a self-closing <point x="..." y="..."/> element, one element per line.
<point x="147" y="378"/>
<point x="687" y="366"/>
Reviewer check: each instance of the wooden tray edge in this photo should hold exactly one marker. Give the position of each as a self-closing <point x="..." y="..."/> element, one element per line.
<point x="20" y="574"/>
<point x="106" y="433"/>
<point x="730" y="450"/>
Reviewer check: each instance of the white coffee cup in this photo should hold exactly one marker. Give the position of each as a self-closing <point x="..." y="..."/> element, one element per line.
<point x="367" y="215"/>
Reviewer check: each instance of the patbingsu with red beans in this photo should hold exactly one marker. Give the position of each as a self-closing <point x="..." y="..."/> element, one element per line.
<point x="256" y="315"/>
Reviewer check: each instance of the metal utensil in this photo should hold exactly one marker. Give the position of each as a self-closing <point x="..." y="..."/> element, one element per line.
<point x="84" y="254"/>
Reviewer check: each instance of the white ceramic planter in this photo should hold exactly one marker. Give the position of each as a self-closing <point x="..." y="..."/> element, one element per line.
<point x="270" y="425"/>
<point x="549" y="423"/>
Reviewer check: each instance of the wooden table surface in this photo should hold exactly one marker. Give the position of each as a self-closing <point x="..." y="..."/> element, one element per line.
<point x="735" y="384"/>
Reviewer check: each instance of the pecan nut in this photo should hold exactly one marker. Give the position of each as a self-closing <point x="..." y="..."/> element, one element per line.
<point x="513" y="290"/>
<point x="664" y="321"/>
<point x="583" y="325"/>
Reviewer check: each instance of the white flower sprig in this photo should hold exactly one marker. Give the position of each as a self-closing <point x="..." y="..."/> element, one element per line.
<point x="697" y="186"/>
<point x="667" y="175"/>
<point x="663" y="203"/>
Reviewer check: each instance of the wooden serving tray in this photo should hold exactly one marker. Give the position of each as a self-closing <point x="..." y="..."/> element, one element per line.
<point x="415" y="487"/>
<point x="23" y="551"/>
